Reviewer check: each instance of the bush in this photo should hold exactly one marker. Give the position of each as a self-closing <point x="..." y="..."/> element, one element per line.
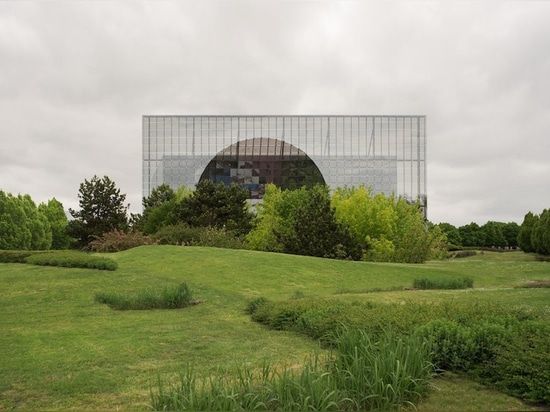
<point x="537" y="284"/>
<point x="117" y="240"/>
<point x="462" y="254"/>
<point x="169" y="297"/>
<point x="72" y="259"/>
<point x="182" y="234"/>
<point x="521" y="367"/>
<point x="14" y="256"/>
<point x="460" y="347"/>
<point x="254" y="304"/>
<point x="443" y="283"/>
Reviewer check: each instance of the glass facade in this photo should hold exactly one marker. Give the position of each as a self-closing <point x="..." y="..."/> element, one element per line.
<point x="387" y="153"/>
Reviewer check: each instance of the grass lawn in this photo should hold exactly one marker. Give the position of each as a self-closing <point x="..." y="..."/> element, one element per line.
<point x="61" y="350"/>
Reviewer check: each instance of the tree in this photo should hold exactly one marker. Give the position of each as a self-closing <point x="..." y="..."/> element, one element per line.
<point x="158" y="210"/>
<point x="14" y="233"/>
<point x="526" y="232"/>
<point x="511" y="231"/>
<point x="412" y="242"/>
<point x="540" y="235"/>
<point x="316" y="232"/>
<point x="493" y="234"/>
<point x="22" y="225"/>
<point x="388" y="228"/>
<point x="452" y="233"/>
<point x="102" y="210"/>
<point x="218" y="206"/>
<point x="472" y="235"/>
<point x="55" y="214"/>
<point x="275" y="218"/>
<point x="37" y="223"/>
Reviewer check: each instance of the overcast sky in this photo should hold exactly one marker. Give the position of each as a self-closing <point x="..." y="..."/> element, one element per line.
<point x="77" y="76"/>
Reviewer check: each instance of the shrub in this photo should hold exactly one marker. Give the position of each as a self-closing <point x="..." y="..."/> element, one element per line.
<point x="72" y="259"/>
<point x="536" y="284"/>
<point x="117" y="240"/>
<point x="521" y="366"/>
<point x="169" y="297"/>
<point x="460" y="347"/>
<point x="254" y="304"/>
<point x="462" y="254"/>
<point x="14" y="256"/>
<point x="443" y="283"/>
<point x="212" y="237"/>
<point x="182" y="234"/>
<point x="179" y="234"/>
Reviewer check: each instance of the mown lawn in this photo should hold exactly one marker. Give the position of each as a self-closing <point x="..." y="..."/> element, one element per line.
<point x="61" y="350"/>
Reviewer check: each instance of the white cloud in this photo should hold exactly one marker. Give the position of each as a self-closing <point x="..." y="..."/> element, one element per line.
<point x="76" y="77"/>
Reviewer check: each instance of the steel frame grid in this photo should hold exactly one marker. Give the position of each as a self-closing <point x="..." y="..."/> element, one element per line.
<point x="385" y="152"/>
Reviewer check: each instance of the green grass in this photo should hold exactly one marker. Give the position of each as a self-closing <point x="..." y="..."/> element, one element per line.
<point x="62" y="350"/>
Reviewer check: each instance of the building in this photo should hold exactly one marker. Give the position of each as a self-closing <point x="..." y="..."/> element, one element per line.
<point x="387" y="153"/>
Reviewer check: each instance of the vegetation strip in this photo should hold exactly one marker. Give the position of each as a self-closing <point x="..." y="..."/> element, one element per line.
<point x="361" y="374"/>
<point x="492" y="343"/>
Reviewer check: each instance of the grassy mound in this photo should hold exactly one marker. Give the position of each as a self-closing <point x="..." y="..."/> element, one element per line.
<point x="61" y="350"/>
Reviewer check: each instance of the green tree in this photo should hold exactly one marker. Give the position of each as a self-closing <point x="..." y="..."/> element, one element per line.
<point x="102" y="209"/>
<point x="540" y="236"/>
<point x="511" y="231"/>
<point x="412" y="242"/>
<point x="371" y="219"/>
<point x="219" y="206"/>
<point x="493" y="235"/>
<point x="14" y="233"/>
<point x="315" y="230"/>
<point x="37" y="223"/>
<point x="159" y="195"/>
<point x="452" y="233"/>
<point x="267" y="222"/>
<point x="275" y="218"/>
<point x="386" y="227"/>
<point x="472" y="235"/>
<point x="22" y="225"/>
<point x="57" y="218"/>
<point x="526" y="232"/>
<point x="159" y="209"/>
<point x="157" y="217"/>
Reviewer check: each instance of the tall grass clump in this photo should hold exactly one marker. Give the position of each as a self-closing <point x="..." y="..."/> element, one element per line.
<point x="169" y="297"/>
<point x="382" y="373"/>
<point x="361" y="374"/>
<point x="443" y="283"/>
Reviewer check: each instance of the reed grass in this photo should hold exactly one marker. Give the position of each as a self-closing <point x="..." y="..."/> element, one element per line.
<point x="168" y="297"/>
<point x="444" y="283"/>
<point x="362" y="373"/>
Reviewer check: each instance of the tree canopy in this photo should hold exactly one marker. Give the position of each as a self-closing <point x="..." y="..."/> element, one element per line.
<point x="354" y="223"/>
<point x="102" y="210"/>
<point x="23" y="226"/>
<point x="218" y="206"/>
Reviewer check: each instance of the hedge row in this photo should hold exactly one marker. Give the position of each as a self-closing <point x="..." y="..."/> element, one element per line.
<point x="71" y="259"/>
